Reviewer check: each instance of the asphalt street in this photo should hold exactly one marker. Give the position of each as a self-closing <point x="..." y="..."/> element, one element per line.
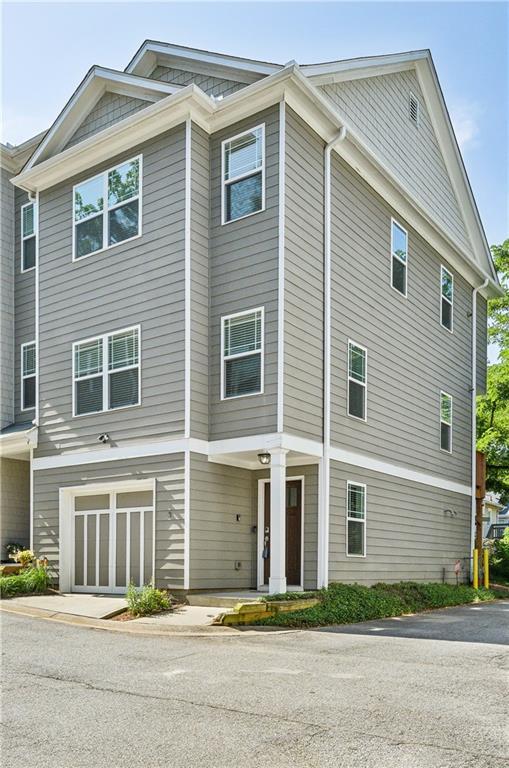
<point x="419" y="692"/>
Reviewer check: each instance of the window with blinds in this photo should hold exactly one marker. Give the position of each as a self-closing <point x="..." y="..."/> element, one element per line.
<point x="28" y="236"/>
<point x="28" y="375"/>
<point x="399" y="257"/>
<point x="107" y="209"/>
<point x="242" y="354"/>
<point x="357" y="381"/>
<point x="445" y="422"/>
<point x="356" y="520"/>
<point x="243" y="174"/>
<point x="107" y="372"/>
<point x="446" y="298"/>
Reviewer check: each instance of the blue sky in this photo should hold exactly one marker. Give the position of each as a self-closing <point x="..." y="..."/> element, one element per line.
<point x="48" y="47"/>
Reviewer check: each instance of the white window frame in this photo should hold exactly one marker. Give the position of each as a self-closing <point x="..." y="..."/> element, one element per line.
<point x="417" y="101"/>
<point x="106" y="209"/>
<point x="261" y="352"/>
<point x="356" y="519"/>
<point x="442" y="297"/>
<point x="446" y="394"/>
<point x="396" y="223"/>
<point x="28" y="376"/>
<point x="27" y="237"/>
<point x="227" y="182"/>
<point x="105" y="371"/>
<point x="349" y="378"/>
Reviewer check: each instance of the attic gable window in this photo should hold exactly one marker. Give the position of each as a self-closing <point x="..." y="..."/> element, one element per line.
<point x="107" y="209"/>
<point x="243" y="174"/>
<point x="413" y="109"/>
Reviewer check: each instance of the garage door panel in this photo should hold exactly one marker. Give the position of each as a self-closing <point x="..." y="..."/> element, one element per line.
<point x="104" y="550"/>
<point x="148" y="546"/>
<point x="91" y="554"/>
<point x="120" y="549"/>
<point x="134" y="570"/>
<point x="79" y="546"/>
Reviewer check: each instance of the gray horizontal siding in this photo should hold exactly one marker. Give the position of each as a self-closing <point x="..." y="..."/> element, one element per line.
<point x="213" y="86"/>
<point x="110" y="108"/>
<point x="200" y="175"/>
<point x="303" y="319"/>
<point x="14" y="504"/>
<point x="169" y="532"/>
<point x="24" y="304"/>
<point x="217" y="539"/>
<point x="378" y="108"/>
<point x="244" y="275"/>
<point x="409" y="537"/>
<point x="410" y="356"/>
<point x="7" y="267"/>
<point x="310" y="474"/>
<point x="140" y="282"/>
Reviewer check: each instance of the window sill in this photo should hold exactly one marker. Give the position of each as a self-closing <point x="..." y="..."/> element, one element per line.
<point x="78" y="259"/>
<point x="238" y="397"/>
<point x="108" y="410"/>
<point x="240" y="218"/>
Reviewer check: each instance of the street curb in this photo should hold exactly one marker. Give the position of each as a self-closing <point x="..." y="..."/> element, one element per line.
<point x="135" y="629"/>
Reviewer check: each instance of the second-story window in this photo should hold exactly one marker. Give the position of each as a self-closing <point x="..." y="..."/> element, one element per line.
<point x="243" y="174"/>
<point x="446" y="298"/>
<point x="107" y="372"/>
<point x="399" y="257"/>
<point x="28" y="375"/>
<point x="242" y="354"/>
<point x="107" y="209"/>
<point x="446" y="422"/>
<point x="357" y="380"/>
<point x="28" y="236"/>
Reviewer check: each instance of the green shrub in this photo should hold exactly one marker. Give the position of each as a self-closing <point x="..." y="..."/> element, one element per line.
<point x="499" y="558"/>
<point x="352" y="603"/>
<point x="144" y="601"/>
<point x="29" y="581"/>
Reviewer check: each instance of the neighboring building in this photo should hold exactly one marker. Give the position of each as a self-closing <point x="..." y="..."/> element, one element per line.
<point x="241" y="310"/>
<point x="491" y="509"/>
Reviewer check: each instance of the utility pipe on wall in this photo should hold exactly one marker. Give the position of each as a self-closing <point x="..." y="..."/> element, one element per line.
<point x="323" y="553"/>
<point x="474" y="414"/>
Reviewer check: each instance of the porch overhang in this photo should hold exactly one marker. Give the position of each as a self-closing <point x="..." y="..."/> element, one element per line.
<point x="244" y="451"/>
<point x="17" y="440"/>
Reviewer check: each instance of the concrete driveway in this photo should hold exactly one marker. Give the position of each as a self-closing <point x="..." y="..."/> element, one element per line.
<point x="351" y="698"/>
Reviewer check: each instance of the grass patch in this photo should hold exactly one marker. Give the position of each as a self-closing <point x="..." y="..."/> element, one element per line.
<point x="28" y="582"/>
<point x="351" y="603"/>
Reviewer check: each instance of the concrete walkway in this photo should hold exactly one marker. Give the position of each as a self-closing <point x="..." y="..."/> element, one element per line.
<point x="91" y="606"/>
<point x="184" y="616"/>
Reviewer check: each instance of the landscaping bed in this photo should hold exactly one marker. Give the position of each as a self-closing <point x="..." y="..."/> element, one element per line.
<point x="352" y="603"/>
<point x="32" y="580"/>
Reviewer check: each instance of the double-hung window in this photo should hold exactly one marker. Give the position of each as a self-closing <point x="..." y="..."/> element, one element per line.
<point x="445" y="422"/>
<point x="446" y="298"/>
<point x="107" y="372"/>
<point x="28" y="236"/>
<point x="242" y="354"/>
<point x="107" y="209"/>
<point x="356" y="520"/>
<point x="28" y="375"/>
<point x="399" y="257"/>
<point x="243" y="174"/>
<point x="357" y="380"/>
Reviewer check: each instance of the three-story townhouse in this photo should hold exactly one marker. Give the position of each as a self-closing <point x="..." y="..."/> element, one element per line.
<point x="250" y="329"/>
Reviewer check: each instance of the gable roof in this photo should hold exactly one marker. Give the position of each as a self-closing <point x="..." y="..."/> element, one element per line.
<point x="94" y="85"/>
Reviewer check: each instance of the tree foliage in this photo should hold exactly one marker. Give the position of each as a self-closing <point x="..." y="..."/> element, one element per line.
<point x="493" y="407"/>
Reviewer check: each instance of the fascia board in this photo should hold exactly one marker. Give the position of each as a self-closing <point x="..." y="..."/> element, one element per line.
<point x="133" y="130"/>
<point x="352" y="69"/>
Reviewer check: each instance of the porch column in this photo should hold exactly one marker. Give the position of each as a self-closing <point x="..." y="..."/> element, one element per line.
<point x="277" y="579"/>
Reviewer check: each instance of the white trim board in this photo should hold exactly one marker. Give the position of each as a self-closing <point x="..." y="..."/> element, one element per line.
<point x="377" y="465"/>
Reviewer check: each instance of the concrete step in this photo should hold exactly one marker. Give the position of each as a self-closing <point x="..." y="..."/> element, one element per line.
<point x="221" y="599"/>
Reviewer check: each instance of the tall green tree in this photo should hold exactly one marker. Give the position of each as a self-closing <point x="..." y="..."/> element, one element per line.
<point x="493" y="407"/>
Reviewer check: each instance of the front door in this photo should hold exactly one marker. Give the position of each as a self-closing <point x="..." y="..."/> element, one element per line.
<point x="293" y="532"/>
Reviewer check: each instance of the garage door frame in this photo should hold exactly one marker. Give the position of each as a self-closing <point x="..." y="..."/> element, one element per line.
<point x="66" y="521"/>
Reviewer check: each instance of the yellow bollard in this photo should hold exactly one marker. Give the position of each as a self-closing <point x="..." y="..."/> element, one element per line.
<point x="475" y="569"/>
<point x="486" y="568"/>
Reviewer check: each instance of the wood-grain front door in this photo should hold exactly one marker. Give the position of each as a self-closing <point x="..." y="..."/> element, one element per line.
<point x="293" y="532"/>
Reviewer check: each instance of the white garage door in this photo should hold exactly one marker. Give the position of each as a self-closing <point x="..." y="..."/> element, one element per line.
<point x="113" y="541"/>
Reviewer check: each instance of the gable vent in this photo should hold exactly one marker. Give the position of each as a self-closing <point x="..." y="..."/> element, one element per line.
<point x="414" y="109"/>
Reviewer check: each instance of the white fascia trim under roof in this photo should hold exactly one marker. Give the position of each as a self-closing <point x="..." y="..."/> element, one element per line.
<point x="194" y="55"/>
<point x="97" y="82"/>
<point x="351" y="69"/>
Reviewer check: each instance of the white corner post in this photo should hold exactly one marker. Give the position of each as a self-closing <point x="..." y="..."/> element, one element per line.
<point x="277" y="577"/>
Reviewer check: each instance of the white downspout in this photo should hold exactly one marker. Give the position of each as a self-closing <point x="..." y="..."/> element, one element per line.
<point x="323" y="526"/>
<point x="474" y="413"/>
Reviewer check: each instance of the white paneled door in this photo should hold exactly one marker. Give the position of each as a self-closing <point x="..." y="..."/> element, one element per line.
<point x="113" y="541"/>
